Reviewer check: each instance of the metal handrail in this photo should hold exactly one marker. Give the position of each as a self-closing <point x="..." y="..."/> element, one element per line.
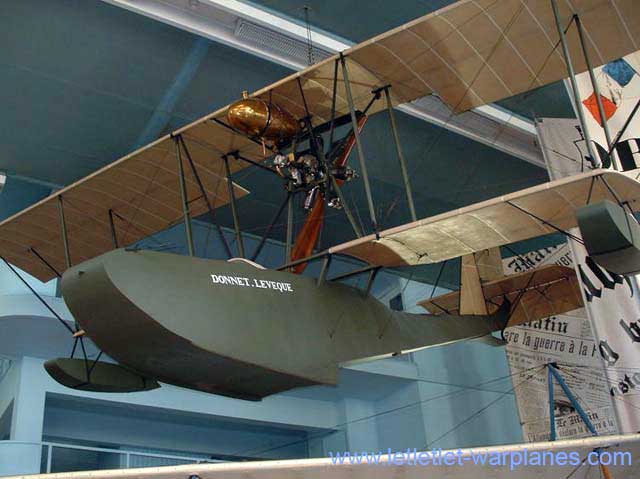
<point x="123" y="452"/>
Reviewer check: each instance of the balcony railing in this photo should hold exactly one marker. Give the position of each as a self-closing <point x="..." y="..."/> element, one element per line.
<point x="60" y="457"/>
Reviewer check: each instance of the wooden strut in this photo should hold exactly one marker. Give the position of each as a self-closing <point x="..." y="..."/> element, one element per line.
<point x="326" y="264"/>
<point x="274" y="220"/>
<point x="308" y="259"/>
<point x="203" y="192"/>
<point x="185" y="200"/>
<point x="114" y="236"/>
<point x="400" y="153"/>
<point x="355" y="272"/>
<point x="572" y="78"/>
<point x="596" y="90"/>
<point x="289" y="233"/>
<point x="234" y="208"/>
<point x="63" y="228"/>
<point x="356" y="133"/>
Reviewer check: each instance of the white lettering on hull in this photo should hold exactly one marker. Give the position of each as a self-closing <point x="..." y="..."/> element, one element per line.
<point x="251" y="283"/>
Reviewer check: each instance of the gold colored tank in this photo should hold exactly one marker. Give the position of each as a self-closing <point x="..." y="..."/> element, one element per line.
<point x="259" y="118"/>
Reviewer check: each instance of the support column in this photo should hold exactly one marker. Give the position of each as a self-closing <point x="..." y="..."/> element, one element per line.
<point x="356" y="134"/>
<point x="572" y="78"/>
<point x="234" y="208"/>
<point x="185" y="200"/>
<point x="403" y="165"/>
<point x="27" y="420"/>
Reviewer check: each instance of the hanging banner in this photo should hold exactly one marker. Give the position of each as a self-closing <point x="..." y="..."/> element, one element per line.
<point x="619" y="85"/>
<point x="567" y="340"/>
<point x="611" y="301"/>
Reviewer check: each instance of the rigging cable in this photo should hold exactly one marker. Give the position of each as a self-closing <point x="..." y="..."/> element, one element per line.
<point x="481" y="411"/>
<point x="463" y="389"/>
<point x="35" y="293"/>
<point x="310" y="55"/>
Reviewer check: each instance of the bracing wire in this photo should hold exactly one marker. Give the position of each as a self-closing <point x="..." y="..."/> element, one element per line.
<point x="257" y="451"/>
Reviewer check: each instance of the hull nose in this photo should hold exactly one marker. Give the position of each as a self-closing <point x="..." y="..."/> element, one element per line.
<point x="146" y="311"/>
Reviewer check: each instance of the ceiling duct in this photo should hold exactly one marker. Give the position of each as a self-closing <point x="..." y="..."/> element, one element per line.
<point x="277" y="43"/>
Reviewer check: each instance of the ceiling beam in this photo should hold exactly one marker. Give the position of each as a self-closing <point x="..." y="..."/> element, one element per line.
<point x="218" y="20"/>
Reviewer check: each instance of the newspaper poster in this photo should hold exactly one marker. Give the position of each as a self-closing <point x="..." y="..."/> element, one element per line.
<point x="568" y="341"/>
<point x="612" y="301"/>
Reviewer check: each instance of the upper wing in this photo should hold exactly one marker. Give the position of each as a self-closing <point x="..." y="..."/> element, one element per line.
<point x="522" y="215"/>
<point x="142" y="192"/>
<point x="470" y="53"/>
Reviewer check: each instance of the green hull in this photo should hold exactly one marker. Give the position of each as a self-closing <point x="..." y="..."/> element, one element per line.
<point x="233" y="329"/>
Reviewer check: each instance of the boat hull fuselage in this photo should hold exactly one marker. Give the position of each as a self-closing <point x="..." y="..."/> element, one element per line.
<point x="234" y="329"/>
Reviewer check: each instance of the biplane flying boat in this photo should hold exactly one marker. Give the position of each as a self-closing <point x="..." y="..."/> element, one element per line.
<point x="237" y="329"/>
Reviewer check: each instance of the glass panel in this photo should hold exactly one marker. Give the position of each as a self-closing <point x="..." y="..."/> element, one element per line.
<point x="64" y="459"/>
<point x="136" y="460"/>
<point x="43" y="459"/>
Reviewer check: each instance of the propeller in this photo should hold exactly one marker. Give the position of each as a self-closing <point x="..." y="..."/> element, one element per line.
<point x="308" y="237"/>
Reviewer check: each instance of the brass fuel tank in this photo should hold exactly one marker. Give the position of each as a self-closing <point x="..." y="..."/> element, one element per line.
<point x="259" y="118"/>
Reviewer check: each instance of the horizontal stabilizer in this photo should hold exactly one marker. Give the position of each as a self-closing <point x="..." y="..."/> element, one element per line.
<point x="534" y="294"/>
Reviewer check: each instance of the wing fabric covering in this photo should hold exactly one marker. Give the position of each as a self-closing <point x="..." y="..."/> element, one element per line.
<point x="470" y="53"/>
<point x="518" y="216"/>
<point x="142" y="193"/>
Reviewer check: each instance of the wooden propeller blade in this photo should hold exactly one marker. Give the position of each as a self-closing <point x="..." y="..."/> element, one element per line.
<point x="308" y="236"/>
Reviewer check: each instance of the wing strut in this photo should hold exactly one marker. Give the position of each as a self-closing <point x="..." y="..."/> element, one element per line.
<point x="203" y="192"/>
<point x="65" y="238"/>
<point x="356" y="133"/>
<point x="572" y="77"/>
<point x="403" y="164"/>
<point x="274" y="220"/>
<point x="112" y="227"/>
<point x="234" y="208"/>
<point x="184" y="197"/>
